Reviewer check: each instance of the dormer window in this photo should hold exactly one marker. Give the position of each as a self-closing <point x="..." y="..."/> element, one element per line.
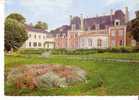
<point x="117" y="23"/>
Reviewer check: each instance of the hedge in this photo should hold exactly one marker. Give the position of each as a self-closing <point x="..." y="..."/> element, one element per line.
<point x="79" y="51"/>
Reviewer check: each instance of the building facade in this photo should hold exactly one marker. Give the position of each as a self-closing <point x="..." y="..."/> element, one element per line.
<point x="101" y="32"/>
<point x="38" y="38"/>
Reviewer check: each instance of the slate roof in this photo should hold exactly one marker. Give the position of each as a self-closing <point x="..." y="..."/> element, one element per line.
<point x="61" y="30"/>
<point x="90" y="23"/>
<point x="103" y="21"/>
<point x="32" y="29"/>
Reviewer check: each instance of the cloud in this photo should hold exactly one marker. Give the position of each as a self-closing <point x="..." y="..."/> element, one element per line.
<point x="47" y="4"/>
<point x="130" y="3"/>
<point x="111" y="2"/>
<point x="54" y="12"/>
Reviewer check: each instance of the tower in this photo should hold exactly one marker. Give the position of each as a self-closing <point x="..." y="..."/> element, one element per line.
<point x="126" y="15"/>
<point x="82" y="22"/>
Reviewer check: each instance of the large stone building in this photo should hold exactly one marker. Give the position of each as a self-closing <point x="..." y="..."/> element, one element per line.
<point x="98" y="32"/>
<point x="38" y="38"/>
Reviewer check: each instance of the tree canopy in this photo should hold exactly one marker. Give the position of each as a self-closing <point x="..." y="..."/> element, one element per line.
<point x="133" y="27"/>
<point x="137" y="14"/>
<point x="15" y="33"/>
<point x="17" y="17"/>
<point x="41" y="25"/>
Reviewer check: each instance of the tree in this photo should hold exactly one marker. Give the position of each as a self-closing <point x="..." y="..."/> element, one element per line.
<point x="41" y="25"/>
<point x="15" y="34"/>
<point x="17" y="17"/>
<point x="137" y="14"/>
<point x="133" y="27"/>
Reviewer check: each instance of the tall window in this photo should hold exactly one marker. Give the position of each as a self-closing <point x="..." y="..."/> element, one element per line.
<point x="29" y="44"/>
<point x="113" y="42"/>
<point x="90" y="42"/>
<point x="35" y="36"/>
<point x="29" y="35"/>
<point x="99" y="43"/>
<point x="39" y="44"/>
<point x="35" y="44"/>
<point x="113" y="33"/>
<point x="121" y="33"/>
<point x="82" y="42"/>
<point x="39" y="36"/>
<point x="43" y="37"/>
<point x="121" y="43"/>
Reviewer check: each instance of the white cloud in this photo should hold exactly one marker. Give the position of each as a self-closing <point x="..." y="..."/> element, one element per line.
<point x="130" y="3"/>
<point x="47" y="10"/>
<point x="47" y="4"/>
<point x="111" y="2"/>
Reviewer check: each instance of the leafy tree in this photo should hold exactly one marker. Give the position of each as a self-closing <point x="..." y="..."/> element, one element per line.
<point x="137" y="14"/>
<point x="41" y="25"/>
<point x="17" y="17"/>
<point x="15" y="34"/>
<point x="133" y="27"/>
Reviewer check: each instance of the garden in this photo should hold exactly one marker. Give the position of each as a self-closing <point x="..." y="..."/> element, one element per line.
<point x="89" y="72"/>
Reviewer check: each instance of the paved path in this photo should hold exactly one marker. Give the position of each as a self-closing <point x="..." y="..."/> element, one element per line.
<point x="105" y="59"/>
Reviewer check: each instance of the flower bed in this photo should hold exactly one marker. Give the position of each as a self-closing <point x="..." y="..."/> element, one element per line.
<point x="50" y="75"/>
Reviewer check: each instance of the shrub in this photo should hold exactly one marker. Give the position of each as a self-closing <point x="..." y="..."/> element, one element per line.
<point x="79" y="51"/>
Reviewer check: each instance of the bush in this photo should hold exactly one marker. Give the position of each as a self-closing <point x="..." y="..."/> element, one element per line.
<point x="32" y="51"/>
<point x="79" y="51"/>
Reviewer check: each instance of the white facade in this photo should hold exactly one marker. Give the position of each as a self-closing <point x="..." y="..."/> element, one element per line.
<point x="49" y="43"/>
<point x="38" y="40"/>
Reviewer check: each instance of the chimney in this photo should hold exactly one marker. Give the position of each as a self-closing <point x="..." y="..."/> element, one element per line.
<point x="126" y="15"/>
<point x="71" y="24"/>
<point x="82" y="22"/>
<point x="97" y="26"/>
<point x="111" y="13"/>
<point x="71" y="19"/>
<point x="73" y="27"/>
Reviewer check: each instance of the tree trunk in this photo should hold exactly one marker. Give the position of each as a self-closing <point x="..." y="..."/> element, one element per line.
<point x="10" y="52"/>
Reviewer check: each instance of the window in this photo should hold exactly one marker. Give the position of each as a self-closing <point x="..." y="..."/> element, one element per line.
<point x="121" y="42"/>
<point x="99" y="43"/>
<point x="117" y="22"/>
<point x="39" y="44"/>
<point x="82" y="42"/>
<point x="90" y="42"/>
<point x="121" y="33"/>
<point x="29" y="35"/>
<point x="113" y="33"/>
<point x="29" y="44"/>
<point x="43" y="37"/>
<point x="76" y="35"/>
<point x="39" y="36"/>
<point x="35" y="36"/>
<point x="35" y="44"/>
<point x="113" y="43"/>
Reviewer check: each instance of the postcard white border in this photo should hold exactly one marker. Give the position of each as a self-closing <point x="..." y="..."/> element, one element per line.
<point x="43" y="97"/>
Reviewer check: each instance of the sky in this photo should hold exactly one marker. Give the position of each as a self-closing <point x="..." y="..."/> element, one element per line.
<point x="56" y="12"/>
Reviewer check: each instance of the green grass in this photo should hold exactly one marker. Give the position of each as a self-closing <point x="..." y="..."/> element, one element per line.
<point x="117" y="78"/>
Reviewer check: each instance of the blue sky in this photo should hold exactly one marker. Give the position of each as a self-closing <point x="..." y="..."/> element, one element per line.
<point x="56" y="12"/>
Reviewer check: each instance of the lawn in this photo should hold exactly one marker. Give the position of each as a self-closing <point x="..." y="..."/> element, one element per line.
<point x="119" y="78"/>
